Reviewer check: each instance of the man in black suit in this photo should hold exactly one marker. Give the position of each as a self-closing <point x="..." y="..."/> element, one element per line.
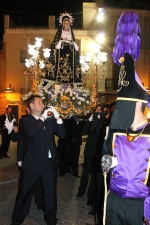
<point x="77" y="132"/>
<point x="4" y="132"/>
<point x="40" y="160"/>
<point x="92" y="127"/>
<point x="64" y="149"/>
<point x="17" y="136"/>
<point x="69" y="147"/>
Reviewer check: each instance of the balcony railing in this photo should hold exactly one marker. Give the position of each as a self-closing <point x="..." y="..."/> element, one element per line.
<point x="111" y="84"/>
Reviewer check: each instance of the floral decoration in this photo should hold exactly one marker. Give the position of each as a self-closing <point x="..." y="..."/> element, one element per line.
<point x="77" y="98"/>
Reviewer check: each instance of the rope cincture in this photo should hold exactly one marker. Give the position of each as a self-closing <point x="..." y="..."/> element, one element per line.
<point x="105" y="198"/>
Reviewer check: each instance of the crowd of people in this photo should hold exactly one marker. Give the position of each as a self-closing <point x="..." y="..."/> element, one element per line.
<point x="35" y="137"/>
<point x="117" y="141"/>
<point x="38" y="158"/>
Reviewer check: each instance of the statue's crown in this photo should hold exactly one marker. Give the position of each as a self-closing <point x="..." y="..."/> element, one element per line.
<point x="65" y="15"/>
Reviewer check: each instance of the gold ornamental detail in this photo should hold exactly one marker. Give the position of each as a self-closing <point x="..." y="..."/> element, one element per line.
<point x="65" y="106"/>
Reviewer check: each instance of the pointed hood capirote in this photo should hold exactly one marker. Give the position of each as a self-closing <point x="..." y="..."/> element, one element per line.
<point x="130" y="88"/>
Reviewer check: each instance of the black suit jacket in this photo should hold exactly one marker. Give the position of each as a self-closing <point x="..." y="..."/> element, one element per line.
<point x="93" y="129"/>
<point x="21" y="144"/>
<point x="2" y="124"/>
<point x="77" y="131"/>
<point x="40" y="138"/>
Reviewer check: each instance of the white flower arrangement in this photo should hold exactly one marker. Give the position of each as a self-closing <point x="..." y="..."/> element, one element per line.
<point x="52" y="96"/>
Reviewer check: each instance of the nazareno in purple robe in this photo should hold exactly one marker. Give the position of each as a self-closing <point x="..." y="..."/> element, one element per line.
<point x="131" y="177"/>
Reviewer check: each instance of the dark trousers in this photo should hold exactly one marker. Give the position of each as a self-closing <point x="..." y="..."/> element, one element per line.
<point x="5" y="144"/>
<point x="75" y="152"/>
<point x="122" y="211"/>
<point x="95" y="186"/>
<point x="38" y="195"/>
<point x="64" y="152"/>
<point x="24" y="197"/>
<point x="86" y="172"/>
<point x="38" y="191"/>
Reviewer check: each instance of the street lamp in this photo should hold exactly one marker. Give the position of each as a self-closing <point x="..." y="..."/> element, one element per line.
<point x="35" y="65"/>
<point x="100" y="16"/>
<point x="94" y="66"/>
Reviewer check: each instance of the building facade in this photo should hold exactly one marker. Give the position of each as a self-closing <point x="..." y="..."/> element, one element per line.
<point x="17" y="39"/>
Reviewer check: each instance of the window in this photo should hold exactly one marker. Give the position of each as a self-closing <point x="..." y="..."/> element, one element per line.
<point x="23" y="56"/>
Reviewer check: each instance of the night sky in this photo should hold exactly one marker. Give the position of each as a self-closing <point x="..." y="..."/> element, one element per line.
<point x="36" y="12"/>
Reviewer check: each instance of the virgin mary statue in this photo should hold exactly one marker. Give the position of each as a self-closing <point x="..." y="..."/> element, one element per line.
<point x="64" y="53"/>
